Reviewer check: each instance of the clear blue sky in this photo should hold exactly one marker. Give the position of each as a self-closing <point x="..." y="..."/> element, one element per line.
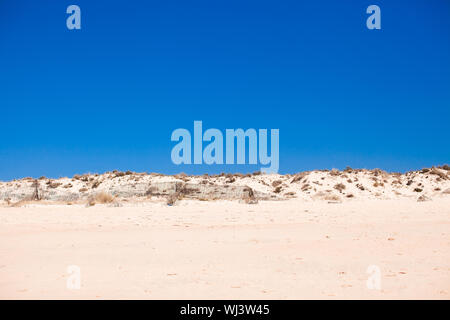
<point x="109" y="95"/>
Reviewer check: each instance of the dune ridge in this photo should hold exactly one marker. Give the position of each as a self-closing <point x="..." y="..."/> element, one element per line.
<point x="327" y="185"/>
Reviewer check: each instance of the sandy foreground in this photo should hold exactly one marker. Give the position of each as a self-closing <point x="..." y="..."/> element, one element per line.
<point x="289" y="249"/>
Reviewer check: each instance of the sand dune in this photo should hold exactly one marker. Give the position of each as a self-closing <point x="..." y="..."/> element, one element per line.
<point x="327" y="185"/>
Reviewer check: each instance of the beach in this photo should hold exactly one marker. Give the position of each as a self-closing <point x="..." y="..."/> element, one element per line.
<point x="227" y="249"/>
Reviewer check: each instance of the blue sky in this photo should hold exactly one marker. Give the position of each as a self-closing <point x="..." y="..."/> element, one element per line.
<point x="108" y="96"/>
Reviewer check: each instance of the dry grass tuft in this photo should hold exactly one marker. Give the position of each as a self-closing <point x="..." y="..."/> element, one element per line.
<point x="332" y="197"/>
<point x="103" y="197"/>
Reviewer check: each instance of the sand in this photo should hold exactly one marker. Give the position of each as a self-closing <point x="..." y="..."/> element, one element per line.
<point x="291" y="249"/>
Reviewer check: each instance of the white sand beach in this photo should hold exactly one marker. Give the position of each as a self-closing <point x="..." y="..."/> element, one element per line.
<point x="296" y="248"/>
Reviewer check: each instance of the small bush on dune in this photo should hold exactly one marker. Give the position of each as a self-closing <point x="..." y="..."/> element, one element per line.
<point x="276" y="183"/>
<point x="335" y="172"/>
<point x="299" y="176"/>
<point x="54" y="185"/>
<point x="332" y="197"/>
<point x="339" y="187"/>
<point x="439" y="173"/>
<point x="96" y="184"/>
<point x="103" y="197"/>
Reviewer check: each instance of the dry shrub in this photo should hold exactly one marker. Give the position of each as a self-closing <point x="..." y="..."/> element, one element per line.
<point x="257" y="173"/>
<point x="299" y="176"/>
<point x="171" y="199"/>
<point x="446" y="167"/>
<point x="332" y="197"/>
<point x="276" y="183"/>
<point x="90" y="202"/>
<point x="378" y="184"/>
<point x="439" y="173"/>
<point x="83" y="190"/>
<point x="249" y="196"/>
<point x="230" y="180"/>
<point x="96" y="184"/>
<point x="350" y="195"/>
<point x="339" y="187"/>
<point x="277" y="189"/>
<point x="103" y="197"/>
<point x="378" y="172"/>
<point x="305" y="187"/>
<point x="54" y="185"/>
<point x="181" y="175"/>
<point x="423" y="198"/>
<point x="335" y="172"/>
<point x="418" y="190"/>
